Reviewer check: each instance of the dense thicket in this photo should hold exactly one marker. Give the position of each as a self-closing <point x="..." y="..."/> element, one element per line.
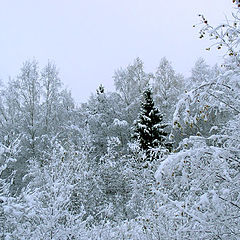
<point x="75" y="172"/>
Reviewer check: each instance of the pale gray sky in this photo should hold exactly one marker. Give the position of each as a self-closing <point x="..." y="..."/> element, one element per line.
<point x="89" y="39"/>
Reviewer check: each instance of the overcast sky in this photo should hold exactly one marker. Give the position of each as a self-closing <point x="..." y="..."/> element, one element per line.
<point x="89" y="39"/>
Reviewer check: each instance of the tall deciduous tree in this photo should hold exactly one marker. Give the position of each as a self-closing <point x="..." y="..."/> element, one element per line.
<point x="201" y="72"/>
<point x="51" y="96"/>
<point x="29" y="93"/>
<point x="130" y="83"/>
<point x="167" y="86"/>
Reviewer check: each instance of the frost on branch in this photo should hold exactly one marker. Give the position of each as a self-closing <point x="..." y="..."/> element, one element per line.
<point x="200" y="188"/>
<point x="225" y="35"/>
<point x="210" y="104"/>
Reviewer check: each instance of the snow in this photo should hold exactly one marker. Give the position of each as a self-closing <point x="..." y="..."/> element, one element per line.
<point x="120" y="123"/>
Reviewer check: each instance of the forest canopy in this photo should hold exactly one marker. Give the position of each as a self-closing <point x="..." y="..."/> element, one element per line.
<point x="158" y="158"/>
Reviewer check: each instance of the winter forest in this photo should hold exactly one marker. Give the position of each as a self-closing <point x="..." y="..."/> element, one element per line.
<point x="158" y="158"/>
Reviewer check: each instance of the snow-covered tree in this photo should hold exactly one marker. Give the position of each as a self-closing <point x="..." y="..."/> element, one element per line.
<point x="198" y="188"/>
<point x="29" y="99"/>
<point x="51" y="84"/>
<point x="45" y="208"/>
<point x="106" y="117"/>
<point x="130" y="83"/>
<point x="149" y="129"/>
<point x="216" y="99"/>
<point x="167" y="86"/>
<point x="8" y="181"/>
<point x="201" y="72"/>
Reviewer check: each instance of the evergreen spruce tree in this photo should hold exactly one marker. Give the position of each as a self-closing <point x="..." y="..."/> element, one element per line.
<point x="149" y="130"/>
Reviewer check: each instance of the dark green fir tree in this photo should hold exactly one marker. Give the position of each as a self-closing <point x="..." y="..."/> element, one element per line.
<point x="149" y="130"/>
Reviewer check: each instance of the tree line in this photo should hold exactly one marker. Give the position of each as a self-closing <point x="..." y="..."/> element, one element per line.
<point x="159" y="158"/>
